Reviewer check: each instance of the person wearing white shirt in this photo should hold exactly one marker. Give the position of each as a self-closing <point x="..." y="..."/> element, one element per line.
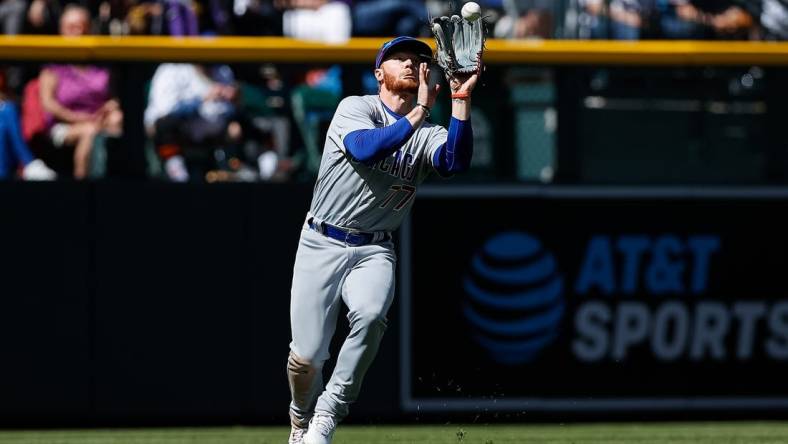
<point x="187" y="106"/>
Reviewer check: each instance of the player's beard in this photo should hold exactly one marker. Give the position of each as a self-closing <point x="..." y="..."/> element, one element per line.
<point x="399" y="86"/>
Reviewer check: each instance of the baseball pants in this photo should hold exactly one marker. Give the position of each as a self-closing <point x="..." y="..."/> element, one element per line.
<point x="327" y="272"/>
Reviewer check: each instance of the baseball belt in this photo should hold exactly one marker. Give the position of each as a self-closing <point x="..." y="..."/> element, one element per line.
<point x="349" y="237"/>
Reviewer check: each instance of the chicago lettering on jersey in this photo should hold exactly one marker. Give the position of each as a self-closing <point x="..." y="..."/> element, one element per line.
<point x="398" y="165"/>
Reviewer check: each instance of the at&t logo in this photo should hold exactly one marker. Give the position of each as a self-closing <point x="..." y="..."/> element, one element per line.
<point x="514" y="301"/>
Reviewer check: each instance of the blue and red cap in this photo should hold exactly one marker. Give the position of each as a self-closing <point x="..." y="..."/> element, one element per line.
<point x="403" y="43"/>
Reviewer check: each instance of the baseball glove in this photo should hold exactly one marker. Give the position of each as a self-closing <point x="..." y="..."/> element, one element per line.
<point x="460" y="44"/>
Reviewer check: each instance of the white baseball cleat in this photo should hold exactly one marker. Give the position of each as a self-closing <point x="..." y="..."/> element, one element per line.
<point x="296" y="435"/>
<point x="321" y="429"/>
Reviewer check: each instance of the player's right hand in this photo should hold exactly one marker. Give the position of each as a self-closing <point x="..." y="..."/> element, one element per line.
<point x="426" y="95"/>
<point x="463" y="83"/>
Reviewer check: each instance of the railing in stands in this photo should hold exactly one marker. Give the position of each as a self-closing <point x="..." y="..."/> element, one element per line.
<point x="281" y="49"/>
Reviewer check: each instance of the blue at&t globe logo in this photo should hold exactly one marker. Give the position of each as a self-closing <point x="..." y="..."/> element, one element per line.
<point x="514" y="301"/>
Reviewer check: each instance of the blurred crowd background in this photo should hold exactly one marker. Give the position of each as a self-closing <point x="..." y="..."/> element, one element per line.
<point x="265" y="122"/>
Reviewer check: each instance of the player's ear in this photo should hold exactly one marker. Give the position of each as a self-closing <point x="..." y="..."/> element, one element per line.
<point x="379" y="74"/>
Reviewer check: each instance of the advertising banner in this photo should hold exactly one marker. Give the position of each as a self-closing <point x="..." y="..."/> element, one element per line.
<point x="578" y="303"/>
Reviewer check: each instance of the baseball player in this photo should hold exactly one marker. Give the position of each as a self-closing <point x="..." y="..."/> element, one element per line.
<point x="378" y="149"/>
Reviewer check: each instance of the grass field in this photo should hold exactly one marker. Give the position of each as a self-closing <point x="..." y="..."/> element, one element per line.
<point x="679" y="433"/>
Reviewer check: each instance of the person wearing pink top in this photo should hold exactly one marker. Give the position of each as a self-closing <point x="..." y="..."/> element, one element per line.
<point x="77" y="98"/>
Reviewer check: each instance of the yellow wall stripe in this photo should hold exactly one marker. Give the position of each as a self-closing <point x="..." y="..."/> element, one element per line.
<point x="280" y="49"/>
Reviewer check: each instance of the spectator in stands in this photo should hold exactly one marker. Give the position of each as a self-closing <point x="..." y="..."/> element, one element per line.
<point x="180" y="17"/>
<point x="215" y="17"/>
<point x="14" y="152"/>
<point x="112" y="17"/>
<point x="706" y="19"/>
<point x="526" y="19"/>
<point x="322" y="20"/>
<point x="12" y="20"/>
<point x="314" y="99"/>
<point x="77" y="99"/>
<point x="153" y="17"/>
<point x="379" y="18"/>
<point x="145" y="18"/>
<point x="774" y="19"/>
<point x="613" y="19"/>
<point x="43" y="17"/>
<point x="190" y="106"/>
<point x="12" y="16"/>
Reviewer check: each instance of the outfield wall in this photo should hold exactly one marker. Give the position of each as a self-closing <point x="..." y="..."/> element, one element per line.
<point x="145" y="302"/>
<point x="595" y="300"/>
<point x="151" y="303"/>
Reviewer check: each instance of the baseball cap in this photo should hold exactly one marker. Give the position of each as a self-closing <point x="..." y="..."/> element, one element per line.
<point x="403" y="43"/>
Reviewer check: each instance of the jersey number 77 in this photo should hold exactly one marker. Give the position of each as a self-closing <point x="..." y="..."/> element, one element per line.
<point x="405" y="191"/>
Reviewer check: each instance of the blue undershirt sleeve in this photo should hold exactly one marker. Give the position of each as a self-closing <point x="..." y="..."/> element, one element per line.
<point x="370" y="145"/>
<point x="454" y="156"/>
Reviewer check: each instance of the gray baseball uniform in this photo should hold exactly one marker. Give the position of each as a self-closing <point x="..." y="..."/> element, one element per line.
<point x="356" y="197"/>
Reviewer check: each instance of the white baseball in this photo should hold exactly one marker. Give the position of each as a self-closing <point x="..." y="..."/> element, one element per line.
<point x="471" y="11"/>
